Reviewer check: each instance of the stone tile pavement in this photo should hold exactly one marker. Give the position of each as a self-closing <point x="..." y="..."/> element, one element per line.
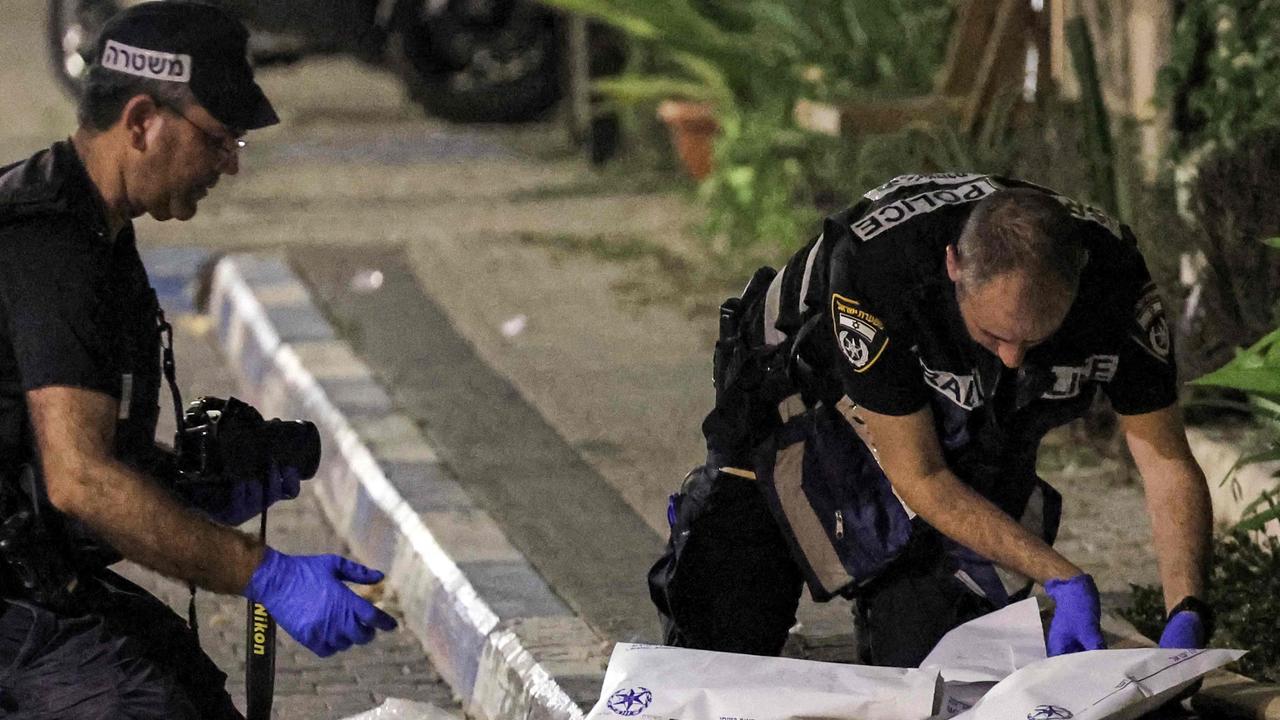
<point x="394" y="665"/>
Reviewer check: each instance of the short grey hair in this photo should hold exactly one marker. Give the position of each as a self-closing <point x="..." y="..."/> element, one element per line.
<point x="1020" y="229"/>
<point x="105" y="93"/>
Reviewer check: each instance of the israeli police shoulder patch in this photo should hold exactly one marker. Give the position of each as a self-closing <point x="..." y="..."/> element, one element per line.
<point x="860" y="335"/>
<point x="1151" y="330"/>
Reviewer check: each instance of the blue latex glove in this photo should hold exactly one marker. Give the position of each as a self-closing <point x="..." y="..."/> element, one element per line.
<point x="1076" y="617"/>
<point x="1184" y="631"/>
<point x="305" y="594"/>
<point x="244" y="500"/>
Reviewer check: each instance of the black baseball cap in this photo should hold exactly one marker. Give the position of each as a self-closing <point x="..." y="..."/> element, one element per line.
<point x="194" y="43"/>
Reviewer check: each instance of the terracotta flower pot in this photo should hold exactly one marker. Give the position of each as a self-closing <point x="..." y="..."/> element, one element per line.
<point x="693" y="130"/>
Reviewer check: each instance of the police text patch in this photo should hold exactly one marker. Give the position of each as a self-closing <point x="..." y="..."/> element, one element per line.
<point x="900" y="211"/>
<point x="1070" y="380"/>
<point x="963" y="390"/>
<point x="860" y="334"/>
<point x="910" y="180"/>
<point x="146" y="63"/>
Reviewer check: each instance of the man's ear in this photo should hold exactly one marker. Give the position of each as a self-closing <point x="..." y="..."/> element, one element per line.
<point x="138" y="116"/>
<point x="953" y="263"/>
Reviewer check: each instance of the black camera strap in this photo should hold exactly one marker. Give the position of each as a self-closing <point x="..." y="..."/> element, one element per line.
<point x="260" y="627"/>
<point x="168" y="365"/>
<point x="259" y="651"/>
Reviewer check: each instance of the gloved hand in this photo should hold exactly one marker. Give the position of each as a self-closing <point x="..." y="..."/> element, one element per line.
<point x="1185" y="630"/>
<point x="305" y="594"/>
<point x="1077" y="615"/>
<point x="245" y="499"/>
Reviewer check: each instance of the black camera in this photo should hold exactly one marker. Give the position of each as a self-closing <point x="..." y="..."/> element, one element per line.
<point x="224" y="441"/>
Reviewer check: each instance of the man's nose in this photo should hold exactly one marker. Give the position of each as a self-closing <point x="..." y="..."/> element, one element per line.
<point x="230" y="163"/>
<point x="1011" y="355"/>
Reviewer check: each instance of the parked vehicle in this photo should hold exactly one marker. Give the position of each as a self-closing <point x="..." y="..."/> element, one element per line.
<point x="462" y="60"/>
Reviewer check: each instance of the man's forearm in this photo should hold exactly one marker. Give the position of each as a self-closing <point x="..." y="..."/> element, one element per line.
<point x="1182" y="527"/>
<point x="959" y="512"/>
<point x="152" y="528"/>
<point x="908" y="450"/>
<point x="75" y="434"/>
<point x="1177" y="500"/>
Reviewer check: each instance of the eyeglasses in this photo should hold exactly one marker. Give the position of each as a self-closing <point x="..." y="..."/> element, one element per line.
<point x="224" y="145"/>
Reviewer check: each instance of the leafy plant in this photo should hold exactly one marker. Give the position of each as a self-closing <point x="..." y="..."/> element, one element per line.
<point x="1222" y="78"/>
<point x="755" y="194"/>
<point x="1223" y="87"/>
<point x="712" y="51"/>
<point x="1240" y="280"/>
<point x="752" y="60"/>
<point x="1244" y="592"/>
<point x="1256" y="371"/>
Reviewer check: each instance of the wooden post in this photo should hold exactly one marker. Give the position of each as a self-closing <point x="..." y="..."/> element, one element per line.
<point x="1097" y="124"/>
<point x="969" y="37"/>
<point x="1002" y="66"/>
<point x="1138" y="46"/>
<point x="1059" y="55"/>
<point x="1150" y="27"/>
<point x="578" y="68"/>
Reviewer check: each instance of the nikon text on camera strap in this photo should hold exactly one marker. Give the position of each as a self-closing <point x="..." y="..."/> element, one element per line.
<point x="260" y="627"/>
<point x="260" y="651"/>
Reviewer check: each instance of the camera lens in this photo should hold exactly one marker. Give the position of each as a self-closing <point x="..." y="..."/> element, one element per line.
<point x="295" y="444"/>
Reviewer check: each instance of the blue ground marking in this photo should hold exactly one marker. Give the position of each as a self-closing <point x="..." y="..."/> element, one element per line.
<point x="173" y="275"/>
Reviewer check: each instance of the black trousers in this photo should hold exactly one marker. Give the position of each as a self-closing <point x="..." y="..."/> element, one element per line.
<point x="120" y="654"/>
<point x="728" y="582"/>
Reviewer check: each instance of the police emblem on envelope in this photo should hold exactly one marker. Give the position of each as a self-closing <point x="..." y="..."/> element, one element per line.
<point x="860" y="334"/>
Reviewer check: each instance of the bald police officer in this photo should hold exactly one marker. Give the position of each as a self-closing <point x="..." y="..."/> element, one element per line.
<point x="880" y="402"/>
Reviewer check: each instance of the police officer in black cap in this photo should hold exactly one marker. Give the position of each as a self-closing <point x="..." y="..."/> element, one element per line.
<point x="165" y="106"/>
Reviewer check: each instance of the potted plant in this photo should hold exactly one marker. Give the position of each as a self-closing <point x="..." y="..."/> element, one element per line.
<point x="734" y="70"/>
<point x="711" y="64"/>
<point x="693" y="127"/>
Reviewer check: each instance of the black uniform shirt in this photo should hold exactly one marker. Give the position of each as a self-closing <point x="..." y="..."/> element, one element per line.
<point x="76" y="308"/>
<point x="894" y="341"/>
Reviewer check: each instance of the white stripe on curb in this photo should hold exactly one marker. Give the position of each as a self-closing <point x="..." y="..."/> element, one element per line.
<point x="486" y="664"/>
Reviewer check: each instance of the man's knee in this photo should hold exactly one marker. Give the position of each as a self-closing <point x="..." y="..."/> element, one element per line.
<point x="727" y="580"/>
<point x="55" y="687"/>
<point x="86" y="667"/>
<point x="904" y="614"/>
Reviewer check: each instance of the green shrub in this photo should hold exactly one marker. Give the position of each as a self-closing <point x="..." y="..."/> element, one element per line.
<point x="1255" y="372"/>
<point x="752" y="60"/>
<point x="1222" y="84"/>
<point x="1234" y="211"/>
<point x="1223" y="77"/>
<point x="773" y="180"/>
